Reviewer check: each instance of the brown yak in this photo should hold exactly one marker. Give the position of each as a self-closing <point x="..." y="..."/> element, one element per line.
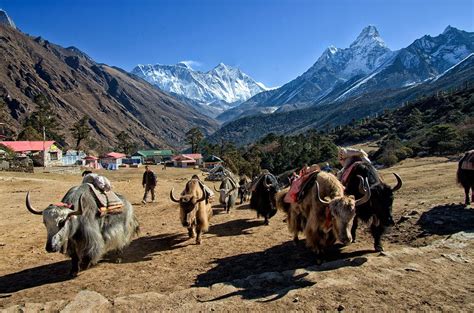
<point x="325" y="214"/>
<point x="195" y="209"/>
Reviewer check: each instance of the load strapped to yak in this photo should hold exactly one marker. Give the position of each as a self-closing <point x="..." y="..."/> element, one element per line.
<point x="218" y="173"/>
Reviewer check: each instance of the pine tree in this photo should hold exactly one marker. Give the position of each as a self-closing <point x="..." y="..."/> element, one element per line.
<point x="80" y="130"/>
<point x="194" y="137"/>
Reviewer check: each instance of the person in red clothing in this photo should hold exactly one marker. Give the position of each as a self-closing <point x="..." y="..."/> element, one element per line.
<point x="149" y="183"/>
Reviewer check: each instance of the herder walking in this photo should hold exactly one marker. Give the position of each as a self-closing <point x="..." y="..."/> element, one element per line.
<point x="149" y="183"/>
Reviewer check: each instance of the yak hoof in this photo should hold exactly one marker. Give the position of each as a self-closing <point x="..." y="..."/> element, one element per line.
<point x="378" y="248"/>
<point x="354" y="241"/>
<point x="191" y="233"/>
<point x="118" y="260"/>
<point x="198" y="241"/>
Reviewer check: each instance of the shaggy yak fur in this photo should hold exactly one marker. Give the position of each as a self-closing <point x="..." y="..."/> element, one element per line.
<point x="324" y="215"/>
<point x="195" y="210"/>
<point x="466" y="179"/>
<point x="264" y="190"/>
<point x="80" y="232"/>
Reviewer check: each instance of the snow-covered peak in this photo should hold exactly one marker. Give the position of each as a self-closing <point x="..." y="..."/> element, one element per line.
<point x="221" y="84"/>
<point x="183" y="65"/>
<point x="5" y="19"/>
<point x="368" y="37"/>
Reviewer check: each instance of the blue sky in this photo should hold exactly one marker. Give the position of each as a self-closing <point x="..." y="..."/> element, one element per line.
<point x="274" y="41"/>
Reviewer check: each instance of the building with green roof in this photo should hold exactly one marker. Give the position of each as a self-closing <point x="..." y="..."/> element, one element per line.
<point x="153" y="156"/>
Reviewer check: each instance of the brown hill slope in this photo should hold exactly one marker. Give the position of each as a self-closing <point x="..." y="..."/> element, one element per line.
<point x="76" y="86"/>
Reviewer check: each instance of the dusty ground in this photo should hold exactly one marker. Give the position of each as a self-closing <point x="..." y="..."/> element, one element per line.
<point x="243" y="265"/>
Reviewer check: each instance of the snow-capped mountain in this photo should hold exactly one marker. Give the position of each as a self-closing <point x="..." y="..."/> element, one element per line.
<point x="368" y="65"/>
<point x="218" y="89"/>
<point x="334" y="67"/>
<point x="424" y="59"/>
<point x="5" y="19"/>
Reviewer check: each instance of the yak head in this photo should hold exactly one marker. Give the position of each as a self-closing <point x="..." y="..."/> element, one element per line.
<point x="271" y="187"/>
<point x="381" y="202"/>
<point x="190" y="198"/>
<point x="341" y="212"/>
<point x="225" y="189"/>
<point x="57" y="219"/>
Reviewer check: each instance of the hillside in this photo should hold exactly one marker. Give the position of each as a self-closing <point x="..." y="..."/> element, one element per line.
<point x="76" y="86"/>
<point x="249" y="129"/>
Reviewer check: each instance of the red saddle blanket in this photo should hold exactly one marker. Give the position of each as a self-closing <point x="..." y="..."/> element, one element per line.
<point x="296" y="187"/>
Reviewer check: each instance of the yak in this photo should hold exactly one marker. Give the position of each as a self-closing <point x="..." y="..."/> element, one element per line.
<point x="264" y="189"/>
<point x="324" y="213"/>
<point x="244" y="189"/>
<point x="195" y="209"/>
<point x="465" y="175"/>
<point x="379" y="208"/>
<point x="75" y="227"/>
<point x="227" y="193"/>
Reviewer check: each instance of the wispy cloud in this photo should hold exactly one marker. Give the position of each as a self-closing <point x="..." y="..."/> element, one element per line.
<point x="192" y="63"/>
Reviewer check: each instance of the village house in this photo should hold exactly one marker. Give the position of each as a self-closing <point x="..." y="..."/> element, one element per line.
<point x="73" y="157"/>
<point x="92" y="162"/>
<point x="187" y="160"/>
<point x="112" y="160"/>
<point x="43" y="153"/>
<point x="153" y="156"/>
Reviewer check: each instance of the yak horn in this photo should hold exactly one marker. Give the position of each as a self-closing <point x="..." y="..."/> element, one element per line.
<point x="319" y="197"/>
<point x="265" y="183"/>
<point x="399" y="182"/>
<point x="79" y="209"/>
<point x="30" y="207"/>
<point x="216" y="189"/>
<point x="364" y="188"/>
<point x="172" y="196"/>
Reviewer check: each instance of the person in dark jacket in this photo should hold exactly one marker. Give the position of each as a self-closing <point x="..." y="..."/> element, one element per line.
<point x="149" y="183"/>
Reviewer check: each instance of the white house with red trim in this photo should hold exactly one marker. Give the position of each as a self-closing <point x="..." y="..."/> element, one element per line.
<point x="112" y="160"/>
<point x="187" y="160"/>
<point x="43" y="153"/>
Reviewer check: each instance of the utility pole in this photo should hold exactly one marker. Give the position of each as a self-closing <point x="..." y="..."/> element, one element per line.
<point x="44" y="147"/>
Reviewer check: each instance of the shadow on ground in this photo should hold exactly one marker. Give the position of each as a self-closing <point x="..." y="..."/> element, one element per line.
<point x="36" y="276"/>
<point x="447" y="219"/>
<point x="234" y="227"/>
<point x="143" y="248"/>
<point x="239" y="270"/>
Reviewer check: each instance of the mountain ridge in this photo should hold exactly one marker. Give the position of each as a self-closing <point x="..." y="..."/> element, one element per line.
<point x="75" y="86"/>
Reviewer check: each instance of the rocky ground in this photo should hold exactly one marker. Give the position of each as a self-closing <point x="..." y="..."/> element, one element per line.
<point x="241" y="264"/>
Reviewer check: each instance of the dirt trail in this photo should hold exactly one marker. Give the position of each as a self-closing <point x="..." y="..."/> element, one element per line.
<point x="241" y="263"/>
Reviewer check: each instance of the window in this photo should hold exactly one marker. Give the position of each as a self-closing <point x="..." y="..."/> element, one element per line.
<point x="53" y="156"/>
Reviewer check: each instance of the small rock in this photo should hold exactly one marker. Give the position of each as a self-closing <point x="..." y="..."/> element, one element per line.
<point x="411" y="269"/>
<point x="403" y="219"/>
<point x="341" y="308"/>
<point x="413" y="213"/>
<point x="296" y="299"/>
